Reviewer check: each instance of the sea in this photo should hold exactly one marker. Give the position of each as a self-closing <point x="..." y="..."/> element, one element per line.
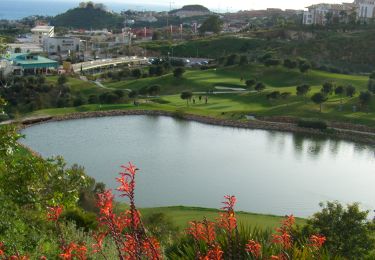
<point x="18" y="9"/>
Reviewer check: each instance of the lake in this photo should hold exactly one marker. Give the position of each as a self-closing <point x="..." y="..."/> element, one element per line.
<point x="193" y="164"/>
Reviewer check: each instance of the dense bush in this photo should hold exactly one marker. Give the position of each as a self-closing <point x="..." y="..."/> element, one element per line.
<point x="321" y="125"/>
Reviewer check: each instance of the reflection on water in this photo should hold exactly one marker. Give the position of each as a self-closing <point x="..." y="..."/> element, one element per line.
<point x="188" y="163"/>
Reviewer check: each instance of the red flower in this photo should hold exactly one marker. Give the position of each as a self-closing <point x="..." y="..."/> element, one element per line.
<point x="74" y="251"/>
<point x="288" y="222"/>
<point x="213" y="254"/>
<point x="98" y="247"/>
<point x="317" y="241"/>
<point x="229" y="203"/>
<point x="151" y="247"/>
<point x="284" y="239"/>
<point x="196" y="229"/>
<point x="228" y="221"/>
<point x="125" y="186"/>
<point x="129" y="169"/>
<point x="105" y="203"/>
<point x="54" y="213"/>
<point x="2" y="249"/>
<point x="254" y="248"/>
<point x="130" y="247"/>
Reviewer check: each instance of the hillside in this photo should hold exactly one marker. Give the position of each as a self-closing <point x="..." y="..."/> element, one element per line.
<point x="94" y="18"/>
<point x="351" y="51"/>
<point x="192" y="8"/>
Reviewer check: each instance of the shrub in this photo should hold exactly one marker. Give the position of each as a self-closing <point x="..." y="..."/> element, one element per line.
<point x="315" y="124"/>
<point x="250" y="82"/>
<point x="260" y="86"/>
<point x="178" y="72"/>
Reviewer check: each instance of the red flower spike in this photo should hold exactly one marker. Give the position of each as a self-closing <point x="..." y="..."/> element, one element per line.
<point x="151" y="247"/>
<point x="229" y="203"/>
<point x="105" y="203"/>
<point x="54" y="213"/>
<point x="2" y="249"/>
<point x="196" y="229"/>
<point x="284" y="239"/>
<point x="213" y="254"/>
<point x="254" y="248"/>
<point x="317" y="241"/>
<point x="98" y="246"/>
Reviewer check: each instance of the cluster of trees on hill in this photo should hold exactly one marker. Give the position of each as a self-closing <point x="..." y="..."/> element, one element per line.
<point x="88" y="16"/>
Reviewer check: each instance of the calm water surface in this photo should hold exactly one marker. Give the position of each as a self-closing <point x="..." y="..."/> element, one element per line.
<point x="188" y="163"/>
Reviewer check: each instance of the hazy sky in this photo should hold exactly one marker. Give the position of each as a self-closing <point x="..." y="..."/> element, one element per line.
<point x="231" y="5"/>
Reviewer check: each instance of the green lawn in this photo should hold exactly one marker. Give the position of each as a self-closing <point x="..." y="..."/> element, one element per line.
<point x="182" y="215"/>
<point x="233" y="105"/>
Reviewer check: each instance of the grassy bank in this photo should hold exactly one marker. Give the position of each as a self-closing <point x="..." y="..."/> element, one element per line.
<point x="182" y="215"/>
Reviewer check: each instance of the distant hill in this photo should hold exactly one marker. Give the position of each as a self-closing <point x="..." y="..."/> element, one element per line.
<point x="88" y="17"/>
<point x="192" y="8"/>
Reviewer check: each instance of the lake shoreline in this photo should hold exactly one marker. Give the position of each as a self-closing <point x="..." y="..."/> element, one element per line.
<point x="340" y="131"/>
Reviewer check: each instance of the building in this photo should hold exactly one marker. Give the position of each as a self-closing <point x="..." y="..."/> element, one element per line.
<point x="40" y="32"/>
<point x="365" y="9"/>
<point x="54" y="45"/>
<point x="322" y="14"/>
<point x="30" y="63"/>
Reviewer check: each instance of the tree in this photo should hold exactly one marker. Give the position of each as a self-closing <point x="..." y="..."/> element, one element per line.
<point x="303" y="90"/>
<point x="339" y="90"/>
<point x="186" y="95"/>
<point x="159" y="70"/>
<point x="350" y="91"/>
<point x="304" y="67"/>
<point x="136" y="73"/>
<point x="365" y="98"/>
<point x="232" y="60"/>
<point x="62" y="79"/>
<point x="154" y="90"/>
<point x="93" y="99"/>
<point x="290" y="64"/>
<point x="319" y="99"/>
<point x="272" y="62"/>
<point x="371" y="85"/>
<point x="273" y="95"/>
<point x="372" y="75"/>
<point x="327" y="88"/>
<point x="156" y="36"/>
<point x="178" y="72"/>
<point x="260" y="87"/>
<point x="133" y="94"/>
<point x="211" y="24"/>
<point x="244" y="60"/>
<point x="347" y="229"/>
<point x="250" y="82"/>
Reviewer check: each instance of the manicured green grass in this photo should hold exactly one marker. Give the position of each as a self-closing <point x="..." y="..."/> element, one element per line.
<point x="233" y="105"/>
<point x="182" y="215"/>
<point x="78" y="86"/>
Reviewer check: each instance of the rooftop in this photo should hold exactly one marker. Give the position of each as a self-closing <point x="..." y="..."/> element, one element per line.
<point x="30" y="60"/>
<point x="42" y="28"/>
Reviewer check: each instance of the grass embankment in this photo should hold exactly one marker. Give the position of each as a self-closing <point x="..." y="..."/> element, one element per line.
<point x="233" y="105"/>
<point x="182" y="215"/>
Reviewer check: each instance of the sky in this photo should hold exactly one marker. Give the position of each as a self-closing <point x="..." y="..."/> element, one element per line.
<point x="233" y="5"/>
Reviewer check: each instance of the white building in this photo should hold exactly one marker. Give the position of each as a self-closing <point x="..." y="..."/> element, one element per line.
<point x="365" y="9"/>
<point x="321" y="13"/>
<point x="61" y="44"/>
<point x="40" y="32"/>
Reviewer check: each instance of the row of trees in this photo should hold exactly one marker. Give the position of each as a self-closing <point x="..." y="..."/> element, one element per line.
<point x="329" y="88"/>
